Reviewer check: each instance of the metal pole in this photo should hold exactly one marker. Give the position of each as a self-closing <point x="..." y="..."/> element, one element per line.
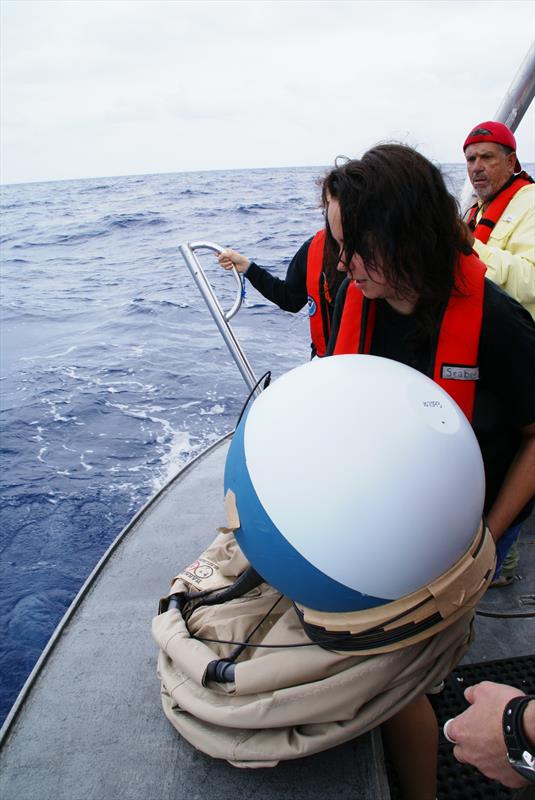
<point x="520" y="94"/>
<point x="514" y="105"/>
<point x="221" y="318"/>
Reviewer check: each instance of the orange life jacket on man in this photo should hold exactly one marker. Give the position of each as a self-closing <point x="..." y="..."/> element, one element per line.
<point x="319" y="298"/>
<point x="456" y="356"/>
<point x="496" y="207"/>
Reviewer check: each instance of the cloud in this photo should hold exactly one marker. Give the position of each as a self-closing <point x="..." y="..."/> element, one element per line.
<point x="100" y="88"/>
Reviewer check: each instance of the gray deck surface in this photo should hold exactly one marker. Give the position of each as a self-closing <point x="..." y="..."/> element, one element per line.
<point x="509" y="636"/>
<point x="92" y="727"/>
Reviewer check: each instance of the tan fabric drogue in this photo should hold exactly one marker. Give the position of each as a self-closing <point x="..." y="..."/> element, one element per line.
<point x="298" y="698"/>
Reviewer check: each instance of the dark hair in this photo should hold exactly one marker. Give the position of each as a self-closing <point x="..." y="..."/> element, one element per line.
<point x="395" y="205"/>
<point x="331" y="257"/>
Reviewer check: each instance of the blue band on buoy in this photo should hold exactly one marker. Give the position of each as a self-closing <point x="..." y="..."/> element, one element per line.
<point x="279" y="563"/>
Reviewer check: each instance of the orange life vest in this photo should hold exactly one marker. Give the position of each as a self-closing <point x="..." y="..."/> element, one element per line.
<point x="318" y="294"/>
<point x="496" y="207"/>
<point x="455" y="359"/>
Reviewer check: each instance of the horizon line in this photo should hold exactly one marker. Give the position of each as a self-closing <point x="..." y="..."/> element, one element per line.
<point x="184" y="172"/>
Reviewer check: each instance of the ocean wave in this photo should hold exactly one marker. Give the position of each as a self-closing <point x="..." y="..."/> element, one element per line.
<point x="218" y="408"/>
<point x="143" y="218"/>
<point x="254" y="207"/>
<point x="24" y="202"/>
<point x="141" y="305"/>
<point x="50" y="355"/>
<point x="193" y="192"/>
<point x="259" y="304"/>
<point x="171" y="304"/>
<point x="85" y="232"/>
<point x="98" y="188"/>
<point x="78" y="237"/>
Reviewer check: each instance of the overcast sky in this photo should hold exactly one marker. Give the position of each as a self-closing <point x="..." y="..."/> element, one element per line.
<point x="113" y="87"/>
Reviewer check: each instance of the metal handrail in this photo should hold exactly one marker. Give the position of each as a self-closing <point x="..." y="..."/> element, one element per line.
<point x="221" y="318"/>
<point x="514" y="105"/>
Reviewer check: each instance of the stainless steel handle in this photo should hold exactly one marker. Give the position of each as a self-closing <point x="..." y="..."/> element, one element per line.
<point x="193" y="246"/>
<point x="221" y="318"/>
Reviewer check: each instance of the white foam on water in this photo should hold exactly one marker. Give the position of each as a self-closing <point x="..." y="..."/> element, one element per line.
<point x="84" y="464"/>
<point x="218" y="408"/>
<point x="52" y="355"/>
<point x="176" y="454"/>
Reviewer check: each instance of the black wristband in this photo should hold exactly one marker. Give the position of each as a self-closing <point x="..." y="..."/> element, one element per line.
<point x="515" y="738"/>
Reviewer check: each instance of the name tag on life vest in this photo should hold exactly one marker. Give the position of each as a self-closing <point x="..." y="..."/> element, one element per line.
<point x="459" y="372"/>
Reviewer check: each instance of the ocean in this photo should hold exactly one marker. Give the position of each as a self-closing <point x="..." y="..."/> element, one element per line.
<point x="113" y="374"/>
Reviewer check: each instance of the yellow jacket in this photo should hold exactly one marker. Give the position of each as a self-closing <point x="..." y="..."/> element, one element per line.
<point x="510" y="251"/>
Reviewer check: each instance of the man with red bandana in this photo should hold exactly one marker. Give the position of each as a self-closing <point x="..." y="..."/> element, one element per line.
<point x="503" y="219"/>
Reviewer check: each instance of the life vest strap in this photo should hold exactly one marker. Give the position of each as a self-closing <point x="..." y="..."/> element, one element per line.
<point x="317" y="296"/>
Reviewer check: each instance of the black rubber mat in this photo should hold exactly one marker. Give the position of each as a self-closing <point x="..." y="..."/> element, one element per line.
<point x="461" y="781"/>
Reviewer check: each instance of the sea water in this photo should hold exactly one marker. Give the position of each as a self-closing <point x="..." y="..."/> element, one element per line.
<point x="113" y="373"/>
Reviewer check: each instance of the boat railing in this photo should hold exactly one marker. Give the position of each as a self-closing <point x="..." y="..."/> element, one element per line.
<point x="222" y="318"/>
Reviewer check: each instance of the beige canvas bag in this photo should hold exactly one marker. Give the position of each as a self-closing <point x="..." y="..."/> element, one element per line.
<point x="296" y="698"/>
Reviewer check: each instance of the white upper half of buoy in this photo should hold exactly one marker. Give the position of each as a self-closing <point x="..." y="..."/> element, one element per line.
<point x="368" y="469"/>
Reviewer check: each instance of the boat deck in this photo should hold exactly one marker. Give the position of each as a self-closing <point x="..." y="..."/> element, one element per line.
<point x="505" y="619"/>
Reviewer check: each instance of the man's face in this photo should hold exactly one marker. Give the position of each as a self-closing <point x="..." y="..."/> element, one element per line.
<point x="488" y="168"/>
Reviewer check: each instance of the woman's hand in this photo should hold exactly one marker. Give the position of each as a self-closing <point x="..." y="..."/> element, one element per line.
<point x="231" y="258"/>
